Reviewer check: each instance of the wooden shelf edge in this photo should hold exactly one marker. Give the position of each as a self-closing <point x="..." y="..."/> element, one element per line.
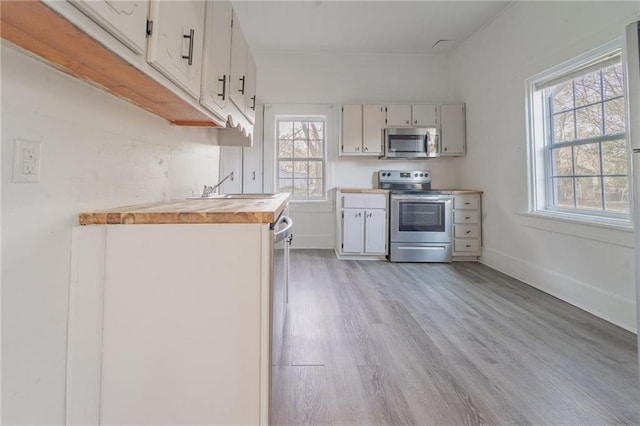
<point x="34" y="27"/>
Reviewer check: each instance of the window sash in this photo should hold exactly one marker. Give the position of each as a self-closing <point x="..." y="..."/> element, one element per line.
<point x="302" y="159"/>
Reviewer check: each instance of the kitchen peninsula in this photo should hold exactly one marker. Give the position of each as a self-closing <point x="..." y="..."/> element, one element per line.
<point x="170" y="313"/>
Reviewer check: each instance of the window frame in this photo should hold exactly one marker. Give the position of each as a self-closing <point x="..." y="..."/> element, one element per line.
<point x="540" y="142"/>
<point x="301" y="118"/>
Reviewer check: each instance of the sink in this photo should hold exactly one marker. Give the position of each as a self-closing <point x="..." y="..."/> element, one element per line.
<point x="237" y="197"/>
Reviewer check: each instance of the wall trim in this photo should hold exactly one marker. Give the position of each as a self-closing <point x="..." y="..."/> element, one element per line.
<point x="603" y="304"/>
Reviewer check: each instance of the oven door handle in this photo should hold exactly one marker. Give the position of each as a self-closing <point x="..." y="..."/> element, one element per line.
<point x="420" y="198"/>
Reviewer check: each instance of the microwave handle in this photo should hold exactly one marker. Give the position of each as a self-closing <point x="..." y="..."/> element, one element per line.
<point x="426" y="143"/>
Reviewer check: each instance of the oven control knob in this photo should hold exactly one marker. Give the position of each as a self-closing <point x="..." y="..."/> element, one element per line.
<point x="416" y="175"/>
<point x="421" y="174"/>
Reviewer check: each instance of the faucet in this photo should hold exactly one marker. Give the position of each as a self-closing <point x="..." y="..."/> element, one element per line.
<point x="208" y="190"/>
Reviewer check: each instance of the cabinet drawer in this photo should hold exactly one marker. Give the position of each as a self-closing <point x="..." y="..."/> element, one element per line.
<point x="466" y="231"/>
<point x="467" y="245"/>
<point x="363" y="201"/>
<point x="466" y="202"/>
<point x="463" y="216"/>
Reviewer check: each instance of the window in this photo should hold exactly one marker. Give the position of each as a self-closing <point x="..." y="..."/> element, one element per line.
<point x="578" y="141"/>
<point x="301" y="157"/>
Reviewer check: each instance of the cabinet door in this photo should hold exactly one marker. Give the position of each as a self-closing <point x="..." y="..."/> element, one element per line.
<point x="125" y="20"/>
<point x="252" y="74"/>
<point x="351" y="129"/>
<point x="252" y="160"/>
<point x="452" y="130"/>
<point x="375" y="231"/>
<point x="231" y="161"/>
<point x="352" y="231"/>
<point x="216" y="56"/>
<point x="424" y="115"/>
<point x="238" y="73"/>
<point x="398" y="115"/>
<point x="175" y="45"/>
<point x="372" y="124"/>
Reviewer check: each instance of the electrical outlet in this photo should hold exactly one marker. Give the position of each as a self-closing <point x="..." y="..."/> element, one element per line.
<point x="26" y="161"/>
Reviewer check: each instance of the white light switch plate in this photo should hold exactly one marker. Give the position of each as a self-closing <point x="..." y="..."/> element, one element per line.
<point x="26" y="161"/>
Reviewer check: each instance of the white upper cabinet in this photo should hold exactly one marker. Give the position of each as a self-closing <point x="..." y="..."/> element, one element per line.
<point x="412" y="115"/>
<point x="372" y="125"/>
<point x="125" y="20"/>
<point x="216" y="56"/>
<point x="398" y="115"/>
<point x="362" y="129"/>
<point x="424" y="115"/>
<point x="452" y="130"/>
<point x="351" y="129"/>
<point x="175" y="44"/>
<point x="239" y="56"/>
<point x="250" y="97"/>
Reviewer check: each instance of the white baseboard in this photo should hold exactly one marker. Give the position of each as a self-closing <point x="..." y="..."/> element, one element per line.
<point x="603" y="304"/>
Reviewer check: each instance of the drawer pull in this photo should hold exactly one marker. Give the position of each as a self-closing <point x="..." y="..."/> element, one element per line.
<point x="467" y="217"/>
<point x="467" y="203"/>
<point x="468" y="245"/>
<point x="468" y="232"/>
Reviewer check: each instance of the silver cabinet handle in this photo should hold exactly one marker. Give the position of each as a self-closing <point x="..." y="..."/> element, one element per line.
<point x="224" y="87"/>
<point x="241" y="90"/>
<point x="189" y="57"/>
<point x="253" y="175"/>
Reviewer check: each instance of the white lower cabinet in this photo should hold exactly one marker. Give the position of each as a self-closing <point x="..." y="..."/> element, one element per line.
<point x="362" y="224"/>
<point x="467" y="230"/>
<point x="169" y="324"/>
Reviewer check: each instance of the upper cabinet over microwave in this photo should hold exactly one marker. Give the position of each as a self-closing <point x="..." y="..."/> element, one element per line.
<point x="412" y="116"/>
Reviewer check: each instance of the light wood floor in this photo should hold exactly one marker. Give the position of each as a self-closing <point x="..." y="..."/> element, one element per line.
<point x="377" y="343"/>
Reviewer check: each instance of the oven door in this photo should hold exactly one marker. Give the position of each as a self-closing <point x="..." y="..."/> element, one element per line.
<point x="419" y="218"/>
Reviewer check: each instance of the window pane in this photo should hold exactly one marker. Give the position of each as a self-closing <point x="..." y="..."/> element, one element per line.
<point x="300" y="130"/>
<point x="589" y="121"/>
<point x="588" y="89"/>
<point x="285" y="130"/>
<point x="588" y="193"/>
<point x="286" y="185"/>
<point x="614" y="116"/>
<point x="316" y="130"/>
<point x="563" y="192"/>
<point x="563" y="128"/>
<point x="614" y="157"/>
<point x="315" y="169"/>
<point x="587" y="159"/>
<point x="562" y="161"/>
<point x="285" y="170"/>
<point x="300" y="188"/>
<point x="300" y="169"/>
<point x="612" y="80"/>
<point x="616" y="194"/>
<point x="316" y="149"/>
<point x="316" y="188"/>
<point x="562" y="97"/>
<point x="300" y="149"/>
<point x="285" y="148"/>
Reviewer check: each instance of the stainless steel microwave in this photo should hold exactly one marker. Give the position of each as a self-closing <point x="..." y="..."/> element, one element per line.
<point x="411" y="142"/>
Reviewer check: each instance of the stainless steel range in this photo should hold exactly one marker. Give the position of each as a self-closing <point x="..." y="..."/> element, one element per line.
<point x="419" y="220"/>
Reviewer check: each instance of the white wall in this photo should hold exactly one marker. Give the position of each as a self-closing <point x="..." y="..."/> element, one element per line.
<point x="588" y="266"/>
<point x="332" y="78"/>
<point x="97" y="152"/>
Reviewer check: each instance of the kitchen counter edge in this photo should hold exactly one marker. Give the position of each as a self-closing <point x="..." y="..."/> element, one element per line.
<point x="192" y="211"/>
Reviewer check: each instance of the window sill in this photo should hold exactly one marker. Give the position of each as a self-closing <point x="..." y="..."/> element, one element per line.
<point x="612" y="231"/>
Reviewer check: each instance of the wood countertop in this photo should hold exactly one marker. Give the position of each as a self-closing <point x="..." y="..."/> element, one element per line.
<point x="204" y="210"/>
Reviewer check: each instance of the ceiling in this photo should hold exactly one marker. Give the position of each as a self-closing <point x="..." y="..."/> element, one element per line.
<point x="363" y="26"/>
